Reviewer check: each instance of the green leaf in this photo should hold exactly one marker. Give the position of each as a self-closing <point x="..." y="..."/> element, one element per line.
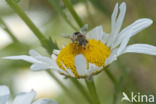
<point x="101" y="5"/>
<point x="60" y="10"/>
<point x="73" y="13"/>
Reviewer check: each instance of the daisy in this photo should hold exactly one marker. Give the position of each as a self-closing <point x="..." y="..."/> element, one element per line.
<point x="21" y="98"/>
<point x="101" y="50"/>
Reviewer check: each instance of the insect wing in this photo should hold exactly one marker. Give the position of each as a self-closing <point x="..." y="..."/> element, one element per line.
<point x="84" y="29"/>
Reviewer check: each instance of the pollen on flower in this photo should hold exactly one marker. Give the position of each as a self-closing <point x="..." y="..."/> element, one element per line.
<point x="95" y="52"/>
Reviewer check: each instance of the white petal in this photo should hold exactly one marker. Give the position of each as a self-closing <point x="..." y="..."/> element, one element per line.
<point x="38" y="66"/>
<point x="42" y="59"/>
<point x="4" y="90"/>
<point x="118" y="51"/>
<point x="136" y="27"/>
<point x="22" y="57"/>
<point x="105" y="38"/>
<point x="24" y="98"/>
<point x="93" y="68"/>
<point x="45" y="59"/>
<point x="114" y="15"/>
<point x="34" y="53"/>
<point x="55" y="66"/>
<point x="117" y="26"/>
<point x="54" y="57"/>
<point x="56" y="52"/>
<point x="81" y="64"/>
<point x="121" y="16"/>
<point x="48" y="62"/>
<point x="112" y="57"/>
<point x="69" y="72"/>
<point x="44" y="63"/>
<point x="4" y="94"/>
<point x="96" y="33"/>
<point x="124" y="43"/>
<point x="45" y="101"/>
<point x="141" y="48"/>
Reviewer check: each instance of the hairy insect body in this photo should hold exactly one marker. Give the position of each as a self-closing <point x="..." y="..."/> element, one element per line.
<point x="80" y="39"/>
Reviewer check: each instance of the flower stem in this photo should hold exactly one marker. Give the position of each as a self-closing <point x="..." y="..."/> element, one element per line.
<point x="73" y="12"/>
<point x="119" y="85"/>
<point x="5" y="27"/>
<point x="59" y="9"/>
<point x="81" y="89"/>
<point x="89" y="12"/>
<point x="30" y="24"/>
<point x="110" y="75"/>
<point x="91" y="87"/>
<point x="67" y="91"/>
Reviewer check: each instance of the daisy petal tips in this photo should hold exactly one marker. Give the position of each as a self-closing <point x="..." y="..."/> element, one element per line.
<point x="141" y="48"/>
<point x="135" y="27"/>
<point x="21" y="98"/>
<point x="38" y="62"/>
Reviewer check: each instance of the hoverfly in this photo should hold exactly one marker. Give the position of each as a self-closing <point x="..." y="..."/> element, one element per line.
<point x="79" y="37"/>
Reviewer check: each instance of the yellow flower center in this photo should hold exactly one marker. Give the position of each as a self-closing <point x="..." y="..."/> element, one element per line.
<point x="95" y="52"/>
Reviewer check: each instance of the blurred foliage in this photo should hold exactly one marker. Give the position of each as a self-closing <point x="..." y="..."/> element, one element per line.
<point x="17" y="1"/>
<point x="141" y="77"/>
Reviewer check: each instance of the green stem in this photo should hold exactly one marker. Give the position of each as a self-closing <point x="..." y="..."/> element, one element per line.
<point x="81" y="89"/>
<point x="73" y="12"/>
<point x="89" y="13"/>
<point x="91" y="87"/>
<point x="30" y="24"/>
<point x="119" y="85"/>
<point x="102" y="6"/>
<point x="67" y="91"/>
<point x="110" y="75"/>
<point x="5" y="27"/>
<point x="59" y="9"/>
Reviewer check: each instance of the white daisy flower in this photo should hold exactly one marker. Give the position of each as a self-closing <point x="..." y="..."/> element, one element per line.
<point x="21" y="98"/>
<point x="101" y="50"/>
